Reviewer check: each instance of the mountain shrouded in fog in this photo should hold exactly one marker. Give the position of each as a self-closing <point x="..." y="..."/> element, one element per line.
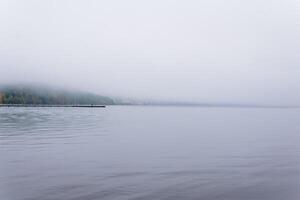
<point x="46" y="95"/>
<point x="200" y="51"/>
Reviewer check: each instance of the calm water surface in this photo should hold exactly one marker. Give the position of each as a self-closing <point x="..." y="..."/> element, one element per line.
<point x="138" y="152"/>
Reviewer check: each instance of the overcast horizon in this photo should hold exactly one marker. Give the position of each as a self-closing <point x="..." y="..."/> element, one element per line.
<point x="193" y="51"/>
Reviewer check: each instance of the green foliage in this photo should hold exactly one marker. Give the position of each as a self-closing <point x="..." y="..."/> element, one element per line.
<point x="31" y="95"/>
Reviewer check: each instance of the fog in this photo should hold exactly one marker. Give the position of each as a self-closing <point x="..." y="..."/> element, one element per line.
<point x="200" y="51"/>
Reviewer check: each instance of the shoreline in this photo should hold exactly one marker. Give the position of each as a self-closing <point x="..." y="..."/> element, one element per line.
<point x="45" y="105"/>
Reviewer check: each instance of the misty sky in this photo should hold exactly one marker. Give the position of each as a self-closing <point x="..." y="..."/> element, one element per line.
<point x="202" y="50"/>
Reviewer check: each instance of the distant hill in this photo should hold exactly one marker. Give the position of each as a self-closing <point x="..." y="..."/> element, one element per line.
<point x="43" y="95"/>
<point x="46" y="95"/>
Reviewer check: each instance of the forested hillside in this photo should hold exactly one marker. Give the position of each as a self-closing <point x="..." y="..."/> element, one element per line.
<point x="38" y="95"/>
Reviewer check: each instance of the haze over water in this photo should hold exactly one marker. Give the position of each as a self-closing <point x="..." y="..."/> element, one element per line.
<point x="149" y="152"/>
<point x="208" y="51"/>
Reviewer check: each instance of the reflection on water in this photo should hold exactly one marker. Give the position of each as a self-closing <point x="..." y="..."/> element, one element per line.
<point x="149" y="153"/>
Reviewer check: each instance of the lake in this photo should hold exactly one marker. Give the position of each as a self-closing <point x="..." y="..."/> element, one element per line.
<point x="149" y="152"/>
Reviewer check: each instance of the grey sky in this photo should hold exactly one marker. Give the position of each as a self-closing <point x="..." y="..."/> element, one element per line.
<point x="209" y="50"/>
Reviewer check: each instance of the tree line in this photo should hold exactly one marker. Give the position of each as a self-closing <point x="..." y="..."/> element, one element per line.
<point x="25" y="95"/>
